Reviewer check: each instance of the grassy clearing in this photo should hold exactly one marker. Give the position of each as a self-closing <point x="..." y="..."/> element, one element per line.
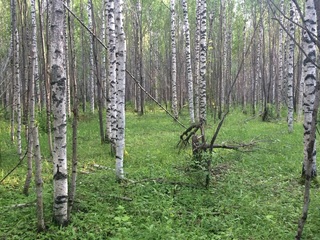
<point x="254" y="195"/>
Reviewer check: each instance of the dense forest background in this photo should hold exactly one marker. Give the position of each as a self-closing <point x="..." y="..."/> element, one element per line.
<point x="244" y="41"/>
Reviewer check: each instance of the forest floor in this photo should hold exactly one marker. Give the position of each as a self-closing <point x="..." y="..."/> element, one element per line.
<point x="252" y="195"/>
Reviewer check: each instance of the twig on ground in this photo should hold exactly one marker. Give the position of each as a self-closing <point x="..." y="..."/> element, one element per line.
<point x="21" y="205"/>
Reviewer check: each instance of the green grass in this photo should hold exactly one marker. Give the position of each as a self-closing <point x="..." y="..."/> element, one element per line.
<point x="252" y="195"/>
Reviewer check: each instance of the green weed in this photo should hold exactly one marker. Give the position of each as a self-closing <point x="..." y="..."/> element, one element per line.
<point x="252" y="195"/>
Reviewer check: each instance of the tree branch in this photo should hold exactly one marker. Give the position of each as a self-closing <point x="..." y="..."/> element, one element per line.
<point x="153" y="99"/>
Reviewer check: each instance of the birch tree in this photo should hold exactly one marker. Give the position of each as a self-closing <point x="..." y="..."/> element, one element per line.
<point x="310" y="105"/>
<point x="66" y="64"/>
<point x="44" y="56"/>
<point x="13" y="46"/>
<point x="111" y="109"/>
<point x="16" y="72"/>
<point x="188" y="59"/>
<point x="223" y="55"/>
<point x="310" y="90"/>
<point x="280" y="57"/>
<point x="58" y="85"/>
<point x="33" y="129"/>
<point x="91" y="74"/>
<point x="73" y="82"/>
<point x="120" y="72"/>
<point x="203" y="61"/>
<point x="104" y="57"/>
<point x="173" y="60"/>
<point x="197" y="62"/>
<point x="290" y="69"/>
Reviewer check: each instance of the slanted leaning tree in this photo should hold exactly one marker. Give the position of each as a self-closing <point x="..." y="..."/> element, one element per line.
<point x="58" y="87"/>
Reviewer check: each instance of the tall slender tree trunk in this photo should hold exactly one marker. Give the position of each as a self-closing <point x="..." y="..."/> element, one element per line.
<point x="188" y="60"/>
<point x="13" y="84"/>
<point x="290" y="69"/>
<point x="142" y="80"/>
<point x="112" y="104"/>
<point x="104" y="57"/>
<point x="311" y="105"/>
<point x="300" y="88"/>
<point x="66" y="64"/>
<point x="173" y="60"/>
<point x="91" y="75"/>
<point x="33" y="129"/>
<point x="16" y="73"/>
<point x="97" y="73"/>
<point x="197" y="62"/>
<point x="310" y="90"/>
<point x="203" y="62"/>
<point x="83" y="60"/>
<point x="121" y="72"/>
<point x="58" y="85"/>
<point x="46" y="80"/>
<point x="280" y="57"/>
<point x="73" y="82"/>
<point x="224" y="48"/>
<point x="244" y="81"/>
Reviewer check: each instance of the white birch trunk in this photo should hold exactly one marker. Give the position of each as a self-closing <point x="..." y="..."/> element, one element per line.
<point x="203" y="62"/>
<point x="58" y="85"/>
<point x="103" y="68"/>
<point x="91" y="75"/>
<point x="112" y="105"/>
<point x="73" y="82"/>
<point x="14" y="49"/>
<point x="18" y="91"/>
<point x="301" y="91"/>
<point x="16" y="73"/>
<point x="121" y="73"/>
<point x="33" y="129"/>
<point x="290" y="69"/>
<point x="224" y="53"/>
<point x="174" y="60"/>
<point x="259" y="67"/>
<point x="280" y="78"/>
<point x="244" y="82"/>
<point x="310" y="86"/>
<point x="197" y="62"/>
<point x="188" y="60"/>
<point x="66" y="65"/>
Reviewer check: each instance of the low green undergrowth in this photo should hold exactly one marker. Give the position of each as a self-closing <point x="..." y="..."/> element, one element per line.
<point x="253" y="194"/>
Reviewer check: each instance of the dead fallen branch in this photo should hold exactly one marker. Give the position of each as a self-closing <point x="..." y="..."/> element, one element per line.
<point x="190" y="132"/>
<point x="21" y="205"/>
<point x="112" y="169"/>
<point x="153" y="99"/>
<point x="232" y="147"/>
<point x="164" y="181"/>
<point x="103" y="167"/>
<point x="124" y="198"/>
